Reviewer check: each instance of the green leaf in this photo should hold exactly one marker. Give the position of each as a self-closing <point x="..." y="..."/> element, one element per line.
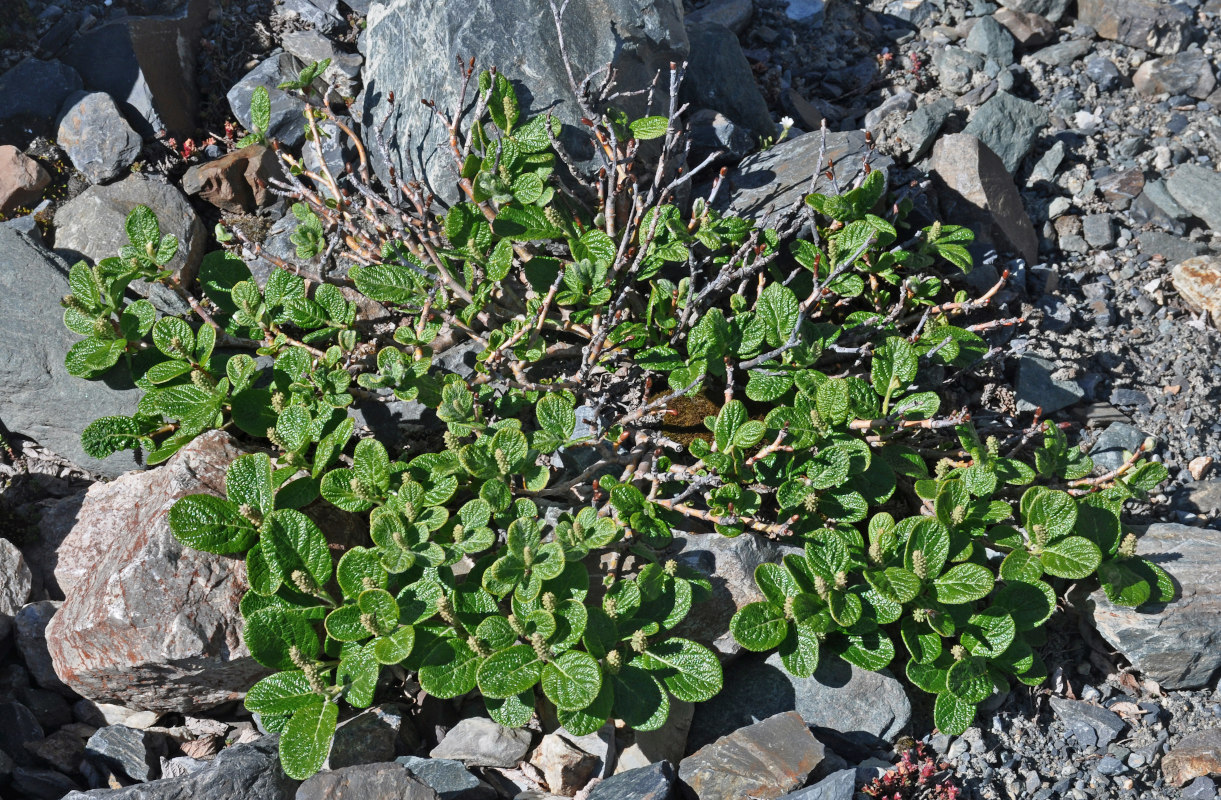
<point x="211" y="524"/>
<point x="272" y="633"/>
<point x="449" y="669"/>
<point x="640" y="700"/>
<point x="969" y="680"/>
<point x="951" y="715"/>
<point x="690" y="671"/>
<point x="894" y="365"/>
<point x="142" y="228"/>
<point x="871" y="651"/>
<point x="248" y="483"/>
<point x="989" y="633"/>
<point x="759" y="626"/>
<point x="510" y="671"/>
<point x="512" y="712"/>
<point x="799" y="652"/>
<point x="1054" y="512"/>
<point x="306" y="741"/>
<point x="1020" y="565"/>
<point x="589" y="719"/>
<point x="108" y="435"/>
<point x="386" y="283"/>
<point x="572" y="681"/>
<point x="91" y="357"/>
<point x="371" y="464"/>
<point x="281" y="693"/>
<point x="293" y="428"/>
<point x="649" y="127"/>
<point x="1073" y="557"/>
<point x="557" y="416"/>
<point x="963" y="583"/>
<point x="779" y="310"/>
<point x="394" y="648"/>
<point x="358" y="566"/>
<point x="291" y="543"/>
<point x="260" y="109"/>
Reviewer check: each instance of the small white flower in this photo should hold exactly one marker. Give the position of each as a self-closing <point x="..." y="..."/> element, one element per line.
<point x="786" y="122"/>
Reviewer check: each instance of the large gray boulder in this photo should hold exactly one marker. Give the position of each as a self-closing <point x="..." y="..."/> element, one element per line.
<point x="38" y="398"/>
<point x="91" y="225"/>
<point x="410" y="47"/>
<point x="33" y="91"/>
<point x="149" y="623"/>
<point x="1177" y="644"/>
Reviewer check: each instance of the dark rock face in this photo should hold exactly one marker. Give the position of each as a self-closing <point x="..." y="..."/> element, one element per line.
<point x="410" y="46"/>
<point x="1162" y="28"/>
<point x="719" y="77"/>
<point x="1177" y="644"/>
<point x="149" y="623"/>
<point x="286" y="107"/>
<point x="153" y="83"/>
<point x="654" y="782"/>
<point x="366" y="782"/>
<point x="38" y="398"/>
<point x="33" y="92"/>
<point x="96" y="137"/>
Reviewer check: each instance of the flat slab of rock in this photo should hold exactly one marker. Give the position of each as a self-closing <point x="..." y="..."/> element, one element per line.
<point x="448" y="778"/>
<point x="1197" y="189"/>
<point x="22" y="180"/>
<point x="1090" y="725"/>
<point x="653" y="782"/>
<point x="838" y="695"/>
<point x="764" y="760"/>
<point x="1162" y="28"/>
<point x="1009" y="126"/>
<point x="1037" y="386"/>
<point x="1177" y="644"/>
<point x="480" y="742"/>
<point x="779" y="177"/>
<point x="1188" y="73"/>
<point x="242" y="771"/>
<point x="17" y="580"/>
<point x="33" y="91"/>
<point x="1195" y="755"/>
<point x="148" y="622"/>
<point x="978" y="188"/>
<point x="41" y="400"/>
<point x="95" y="136"/>
<point x="1198" y="281"/>
<point x="366" y="782"/>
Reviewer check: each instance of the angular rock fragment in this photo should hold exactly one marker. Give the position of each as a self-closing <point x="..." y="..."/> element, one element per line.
<point x="95" y="136"/>
<point x="1196" y="754"/>
<point x="1189" y="73"/>
<point x="479" y="742"/>
<point x="764" y="760"/>
<point x="1198" y="282"/>
<point x="237" y="181"/>
<point x="1162" y="28"/>
<point x="22" y="180"/>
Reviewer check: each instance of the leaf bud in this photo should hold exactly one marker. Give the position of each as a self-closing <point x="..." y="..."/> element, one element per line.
<point x="788" y="607"/>
<point x="445" y="610"/>
<point x="297" y="657"/>
<point x="820" y="586"/>
<point x="549" y="603"/>
<point x="369" y="623"/>
<point x="958" y="515"/>
<point x="810" y="502"/>
<point x="553" y="216"/>
<point x="478" y="646"/>
<point x="368" y="583"/>
<point x="639" y="641"/>
<point x="994" y="446"/>
<point x="958" y="652"/>
<point x="943" y="468"/>
<point x="1040" y="534"/>
<point x="1127" y="548"/>
<point x="251" y="513"/>
<point x="875" y="551"/>
<point x="841" y="580"/>
<point x="279" y="401"/>
<point x="611" y="608"/>
<point x="303" y="581"/>
<point x="516" y="625"/>
<point x="614" y="661"/>
<point x="502" y="461"/>
<point x="919" y="565"/>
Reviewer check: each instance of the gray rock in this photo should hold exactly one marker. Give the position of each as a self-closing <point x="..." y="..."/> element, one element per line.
<point x="836" y="786"/>
<point x="654" y="782"/>
<point x="838" y="696"/>
<point x="33" y="92"/>
<point x="1063" y="53"/>
<point x="369" y="737"/>
<point x="1162" y="28"/>
<point x="323" y="15"/>
<point x="141" y="627"/>
<point x="1029" y="31"/>
<point x="129" y="60"/>
<point x="31" y="624"/>
<point x="22" y="181"/>
<point x="807" y="11"/>
<point x="719" y="77"/>
<point x="897" y="103"/>
<point x="135" y="753"/>
<point x="712" y="131"/>
<point x="1052" y="9"/>
<point x="1202" y="788"/>
<point x="18" y="726"/>
<point x="1177" y="644"/>
<point x="766" y="759"/>
<point x="733" y="14"/>
<point x="1197" y="189"/>
<point x="480" y="742"/>
<point x="779" y="178"/>
<point x="1173" y="248"/>
<point x="1090" y="725"/>
<point x="920" y="131"/>
<point x="410" y="47"/>
<point x="955" y="67"/>
<point x="450" y="779"/>
<point x="733" y="562"/>
<point x="991" y="40"/>
<point x="1160" y="196"/>
<point x="1189" y="73"/>
<point x="39" y="398"/>
<point x="311" y="46"/>
<point x="337" y="149"/>
<point x="1103" y="72"/>
<point x="95" y="136"/>
<point x="977" y="188"/>
<point x="1200" y="497"/>
<point x="1036" y="388"/>
<point x="1098" y="230"/>
<point x="1108" y="451"/>
<point x="32" y="783"/>
<point x="1009" y="126"/>
<point x="366" y="782"/>
<point x="62" y="751"/>
<point x="667" y="743"/>
<point x="17" y="580"/>
<point x="91" y="225"/>
<point x="287" y="108"/>
<point x="247" y="771"/>
<point x="51" y="709"/>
